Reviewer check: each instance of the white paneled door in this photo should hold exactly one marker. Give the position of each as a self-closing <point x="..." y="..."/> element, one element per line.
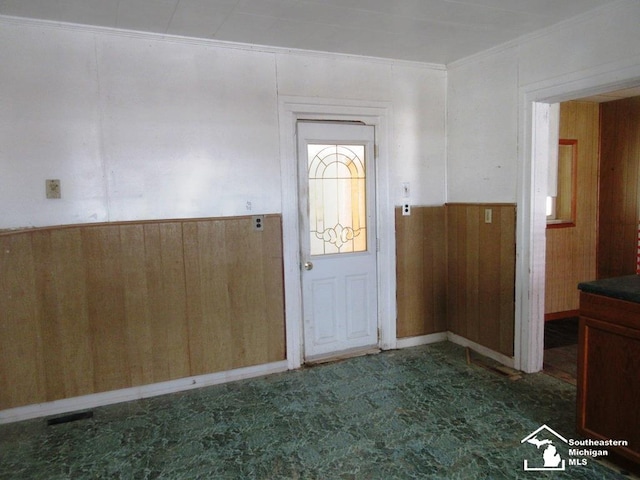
<point x="338" y="237"/>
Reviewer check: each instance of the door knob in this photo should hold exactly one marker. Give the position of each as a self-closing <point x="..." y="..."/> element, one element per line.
<point x="308" y="265"/>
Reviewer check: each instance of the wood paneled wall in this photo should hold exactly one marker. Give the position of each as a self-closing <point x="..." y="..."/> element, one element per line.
<point x="92" y="308"/>
<point x="481" y="274"/>
<point x="421" y="271"/>
<point x="619" y="192"/>
<point x="571" y="250"/>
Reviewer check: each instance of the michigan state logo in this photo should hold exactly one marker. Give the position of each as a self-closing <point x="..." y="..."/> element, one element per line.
<point x="547" y="458"/>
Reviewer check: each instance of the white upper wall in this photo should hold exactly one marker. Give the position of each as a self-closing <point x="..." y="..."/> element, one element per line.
<point x="417" y="95"/>
<point x="187" y="130"/>
<point x="483" y="130"/>
<point x="144" y="127"/>
<point x="485" y="107"/>
<point x="134" y="128"/>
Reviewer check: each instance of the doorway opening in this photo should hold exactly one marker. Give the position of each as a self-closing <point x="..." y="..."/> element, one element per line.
<point x="537" y="255"/>
<point x="561" y="349"/>
<point x="592" y="146"/>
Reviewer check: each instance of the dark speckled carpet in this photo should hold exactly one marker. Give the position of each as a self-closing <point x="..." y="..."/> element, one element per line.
<point x="417" y="413"/>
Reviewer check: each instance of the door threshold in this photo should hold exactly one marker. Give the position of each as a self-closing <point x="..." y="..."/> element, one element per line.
<point x="341" y="355"/>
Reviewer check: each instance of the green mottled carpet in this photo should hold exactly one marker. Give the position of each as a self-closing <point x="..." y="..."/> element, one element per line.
<point x="417" y="413"/>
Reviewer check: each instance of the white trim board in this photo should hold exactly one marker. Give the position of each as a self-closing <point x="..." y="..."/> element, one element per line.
<point x="458" y="340"/>
<point x="136" y="393"/>
<point x="487" y="352"/>
<point x="86" y="402"/>
<point x="409" y="342"/>
<point x="534" y="100"/>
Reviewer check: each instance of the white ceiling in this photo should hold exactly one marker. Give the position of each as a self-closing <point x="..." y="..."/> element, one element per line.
<point x="432" y="31"/>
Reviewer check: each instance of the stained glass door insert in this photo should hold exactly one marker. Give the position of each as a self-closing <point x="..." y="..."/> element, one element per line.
<point x="337" y="199"/>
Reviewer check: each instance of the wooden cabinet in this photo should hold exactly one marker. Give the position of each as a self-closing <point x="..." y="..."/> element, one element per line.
<point x="608" y="397"/>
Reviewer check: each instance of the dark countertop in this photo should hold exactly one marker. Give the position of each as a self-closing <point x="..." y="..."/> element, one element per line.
<point x="623" y="288"/>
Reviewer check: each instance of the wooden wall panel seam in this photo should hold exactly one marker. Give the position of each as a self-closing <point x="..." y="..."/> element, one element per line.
<point x="571" y="252"/>
<point x="108" y="304"/>
<point x="619" y="189"/>
<point x="420" y="263"/>
<point x="481" y="274"/>
<point x="474" y="306"/>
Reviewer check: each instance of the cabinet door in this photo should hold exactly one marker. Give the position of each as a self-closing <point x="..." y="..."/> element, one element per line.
<point x="608" y="386"/>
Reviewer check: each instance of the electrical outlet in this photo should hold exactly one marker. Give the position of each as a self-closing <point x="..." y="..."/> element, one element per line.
<point x="258" y="223"/>
<point x="406" y="209"/>
<point x="52" y="188"/>
<point x="488" y="215"/>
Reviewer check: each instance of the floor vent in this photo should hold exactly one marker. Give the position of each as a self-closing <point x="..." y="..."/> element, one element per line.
<point x="73" y="417"/>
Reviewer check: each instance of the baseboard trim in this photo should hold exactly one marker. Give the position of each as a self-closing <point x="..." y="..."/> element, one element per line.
<point x="421" y="340"/>
<point x="487" y="352"/>
<point x="84" y="402"/>
<point x="458" y="340"/>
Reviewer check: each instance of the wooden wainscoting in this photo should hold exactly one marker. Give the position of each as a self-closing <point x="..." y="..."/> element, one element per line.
<point x="481" y="274"/>
<point x="92" y="308"/>
<point x="421" y="271"/>
<point x="571" y="251"/>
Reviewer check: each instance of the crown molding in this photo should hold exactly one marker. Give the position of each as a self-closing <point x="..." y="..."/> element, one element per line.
<point x="209" y="42"/>
<point x="543" y="32"/>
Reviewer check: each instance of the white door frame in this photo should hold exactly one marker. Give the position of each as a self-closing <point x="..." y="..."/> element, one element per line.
<point x="290" y="110"/>
<point x="532" y="192"/>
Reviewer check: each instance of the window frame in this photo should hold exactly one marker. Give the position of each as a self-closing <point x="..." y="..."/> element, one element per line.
<point x="570" y="220"/>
